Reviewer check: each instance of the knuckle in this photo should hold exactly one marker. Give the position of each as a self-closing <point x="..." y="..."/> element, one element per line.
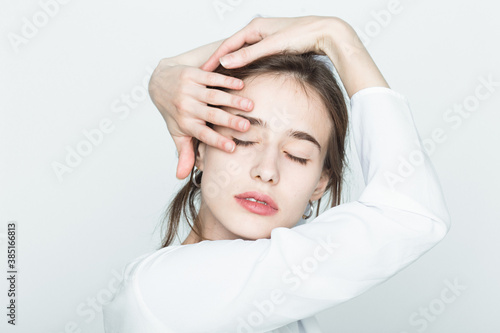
<point x="218" y="142"/>
<point x="256" y="20"/>
<point x="232" y="121"/>
<point x="182" y="104"/>
<point x="181" y="89"/>
<point x="236" y="101"/>
<point x="181" y="123"/>
<point x="203" y="135"/>
<point x="244" y="53"/>
<point x="211" y="116"/>
<point x="211" y="95"/>
<point x="226" y="46"/>
<point x="228" y="81"/>
<point x="184" y="74"/>
<point x="211" y="80"/>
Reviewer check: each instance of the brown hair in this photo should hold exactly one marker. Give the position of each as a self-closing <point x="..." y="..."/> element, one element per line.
<point x="310" y="72"/>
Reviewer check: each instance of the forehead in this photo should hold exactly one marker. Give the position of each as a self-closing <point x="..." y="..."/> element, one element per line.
<point x="283" y="103"/>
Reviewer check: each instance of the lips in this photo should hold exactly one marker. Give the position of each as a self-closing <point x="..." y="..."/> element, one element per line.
<point x="259" y="197"/>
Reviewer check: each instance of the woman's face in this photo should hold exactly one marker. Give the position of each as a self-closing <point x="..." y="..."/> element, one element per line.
<point x="282" y="160"/>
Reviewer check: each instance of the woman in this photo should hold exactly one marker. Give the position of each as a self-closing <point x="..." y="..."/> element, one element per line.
<point x="317" y="115"/>
<point x="246" y="266"/>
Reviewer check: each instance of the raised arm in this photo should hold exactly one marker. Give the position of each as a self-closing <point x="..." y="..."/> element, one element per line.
<point x="350" y="58"/>
<point x="238" y="285"/>
<point x="258" y="286"/>
<point x="179" y="89"/>
<point x="320" y="34"/>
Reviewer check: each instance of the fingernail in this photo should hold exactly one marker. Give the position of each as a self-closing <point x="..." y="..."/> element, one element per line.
<point x="225" y="60"/>
<point x="249" y="105"/>
<point x="244" y="104"/>
<point x="229" y="147"/>
<point x="243" y="125"/>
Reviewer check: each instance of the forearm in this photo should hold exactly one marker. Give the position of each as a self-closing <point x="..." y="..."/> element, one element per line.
<point x="356" y="68"/>
<point x="195" y="57"/>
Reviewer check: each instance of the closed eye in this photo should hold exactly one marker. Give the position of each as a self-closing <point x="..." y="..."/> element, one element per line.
<point x="302" y="161"/>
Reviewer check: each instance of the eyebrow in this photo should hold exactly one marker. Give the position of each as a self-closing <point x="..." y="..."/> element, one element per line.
<point x="300" y="135"/>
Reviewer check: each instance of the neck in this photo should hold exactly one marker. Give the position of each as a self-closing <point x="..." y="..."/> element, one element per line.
<point x="192" y="238"/>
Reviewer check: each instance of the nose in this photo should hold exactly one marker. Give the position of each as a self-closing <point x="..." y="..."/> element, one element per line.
<point x="266" y="167"/>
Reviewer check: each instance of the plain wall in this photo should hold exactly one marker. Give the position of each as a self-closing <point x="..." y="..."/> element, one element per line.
<point x="86" y="66"/>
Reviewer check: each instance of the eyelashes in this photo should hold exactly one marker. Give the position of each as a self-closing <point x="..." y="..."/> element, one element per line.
<point x="302" y="161"/>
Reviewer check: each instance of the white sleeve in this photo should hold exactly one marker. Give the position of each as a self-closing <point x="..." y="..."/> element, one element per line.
<point x="227" y="285"/>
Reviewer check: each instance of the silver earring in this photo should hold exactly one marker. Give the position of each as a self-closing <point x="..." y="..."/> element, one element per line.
<point x="311" y="209"/>
<point x="193" y="178"/>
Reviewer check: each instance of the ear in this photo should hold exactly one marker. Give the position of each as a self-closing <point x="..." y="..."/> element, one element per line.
<point x="320" y="188"/>
<point x="200" y="156"/>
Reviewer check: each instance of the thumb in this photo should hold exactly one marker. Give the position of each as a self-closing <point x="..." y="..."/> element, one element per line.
<point x="186" y="157"/>
<point x="211" y="64"/>
<point x="247" y="54"/>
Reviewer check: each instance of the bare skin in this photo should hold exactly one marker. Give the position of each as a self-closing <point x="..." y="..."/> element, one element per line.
<point x="178" y="86"/>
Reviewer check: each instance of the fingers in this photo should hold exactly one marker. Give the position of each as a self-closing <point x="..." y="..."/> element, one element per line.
<point x="187" y="155"/>
<point x="219" y="80"/>
<point x="219" y="97"/>
<point x="222" y="118"/>
<point x="210" y="137"/>
<point x="248" y="54"/>
<point x="248" y="35"/>
<point x="222" y="98"/>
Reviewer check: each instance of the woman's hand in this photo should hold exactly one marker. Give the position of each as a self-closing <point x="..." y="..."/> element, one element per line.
<point x="323" y="35"/>
<point x="179" y="90"/>
<point x="269" y="36"/>
<point x="181" y="95"/>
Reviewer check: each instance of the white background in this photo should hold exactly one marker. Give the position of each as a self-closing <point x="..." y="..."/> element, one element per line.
<point x="76" y="233"/>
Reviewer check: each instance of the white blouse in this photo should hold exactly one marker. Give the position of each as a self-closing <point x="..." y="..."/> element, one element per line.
<point x="279" y="284"/>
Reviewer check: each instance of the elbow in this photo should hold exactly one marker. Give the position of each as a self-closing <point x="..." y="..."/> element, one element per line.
<point x="443" y="226"/>
<point x="445" y="219"/>
<point x="447" y="223"/>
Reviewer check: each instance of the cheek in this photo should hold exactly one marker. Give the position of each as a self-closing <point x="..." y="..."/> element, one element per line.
<point x="302" y="186"/>
<point x="221" y="172"/>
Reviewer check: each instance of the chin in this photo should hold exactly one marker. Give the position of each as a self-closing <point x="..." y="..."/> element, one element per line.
<point x="250" y="226"/>
<point x="254" y="232"/>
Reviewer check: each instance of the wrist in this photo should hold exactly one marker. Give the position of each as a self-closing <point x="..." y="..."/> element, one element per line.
<point x="340" y="39"/>
<point x="172" y="61"/>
